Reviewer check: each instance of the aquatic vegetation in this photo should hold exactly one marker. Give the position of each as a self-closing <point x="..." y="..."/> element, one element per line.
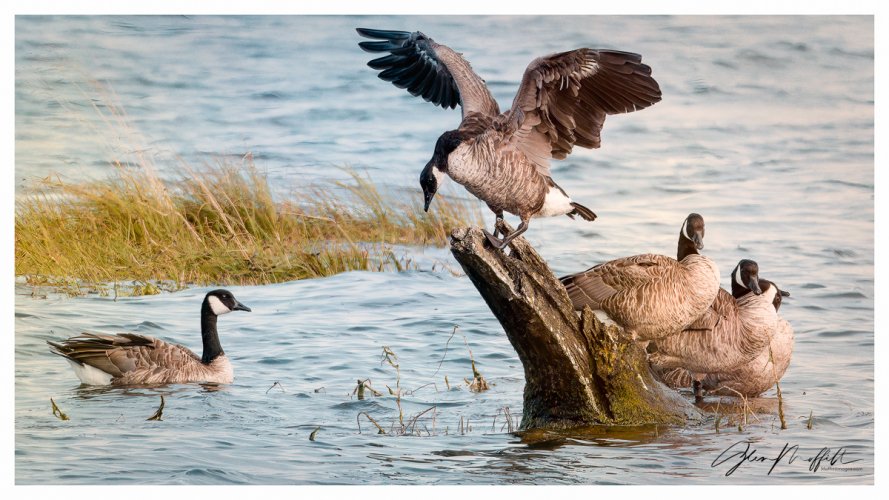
<point x="217" y="224"/>
<point x="158" y="415"/>
<point x="57" y="412"/>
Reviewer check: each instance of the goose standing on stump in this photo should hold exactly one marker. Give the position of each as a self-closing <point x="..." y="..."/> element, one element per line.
<point x="503" y="158"/>
<point x="129" y="358"/>
<point x="651" y="296"/>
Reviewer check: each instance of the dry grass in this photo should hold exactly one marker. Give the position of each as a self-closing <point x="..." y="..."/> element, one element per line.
<point x="217" y="225"/>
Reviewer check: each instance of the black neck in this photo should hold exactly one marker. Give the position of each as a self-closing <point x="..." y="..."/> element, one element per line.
<point x="686" y="248"/>
<point x="738" y="291"/>
<point x="212" y="347"/>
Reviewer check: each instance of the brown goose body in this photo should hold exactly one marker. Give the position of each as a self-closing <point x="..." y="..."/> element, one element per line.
<point x="729" y="334"/>
<point x="505" y="180"/>
<point x="649" y="295"/>
<point x="721" y="375"/>
<point x="759" y="374"/>
<point x="129" y="358"/>
<point x="503" y="158"/>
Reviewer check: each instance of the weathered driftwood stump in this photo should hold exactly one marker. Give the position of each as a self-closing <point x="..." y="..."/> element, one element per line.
<point x="578" y="371"/>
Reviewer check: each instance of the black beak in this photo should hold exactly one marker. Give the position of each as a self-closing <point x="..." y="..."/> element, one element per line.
<point x="429" y="184"/>
<point x="753" y="285"/>
<point x="785" y="293"/>
<point x="427" y="195"/>
<point x="240" y="307"/>
<point x="698" y="240"/>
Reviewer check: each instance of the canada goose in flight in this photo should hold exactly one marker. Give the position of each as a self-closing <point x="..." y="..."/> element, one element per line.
<point x="651" y="296"/>
<point x="731" y="333"/>
<point x="503" y="158"/>
<point x="129" y="358"/>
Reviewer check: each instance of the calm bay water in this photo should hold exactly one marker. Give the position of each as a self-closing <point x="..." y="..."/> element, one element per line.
<point x="766" y="128"/>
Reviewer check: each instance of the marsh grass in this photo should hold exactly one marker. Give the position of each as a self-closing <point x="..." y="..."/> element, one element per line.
<point x="219" y="224"/>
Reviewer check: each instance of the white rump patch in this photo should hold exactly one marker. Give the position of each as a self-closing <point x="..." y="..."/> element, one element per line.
<point x="89" y="375"/>
<point x="217" y="306"/>
<point x="555" y="203"/>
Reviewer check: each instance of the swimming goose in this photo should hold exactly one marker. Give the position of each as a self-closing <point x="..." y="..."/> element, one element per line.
<point x="651" y="296"/>
<point x="752" y="377"/>
<point x="733" y="330"/>
<point x="503" y="158"/>
<point x="129" y="358"/>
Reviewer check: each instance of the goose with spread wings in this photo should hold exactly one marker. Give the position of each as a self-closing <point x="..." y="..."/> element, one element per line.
<point x="504" y="158"/>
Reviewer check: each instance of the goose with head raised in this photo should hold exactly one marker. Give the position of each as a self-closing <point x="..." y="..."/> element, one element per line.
<point x="651" y="296"/>
<point x="129" y="358"/>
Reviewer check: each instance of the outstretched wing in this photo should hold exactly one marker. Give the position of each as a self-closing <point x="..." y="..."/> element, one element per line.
<point x="429" y="70"/>
<point x="563" y="100"/>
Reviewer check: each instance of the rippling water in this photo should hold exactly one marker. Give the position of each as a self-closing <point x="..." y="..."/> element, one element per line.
<point x="766" y="128"/>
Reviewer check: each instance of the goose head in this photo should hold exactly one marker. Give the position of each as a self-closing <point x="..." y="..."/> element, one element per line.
<point x="745" y="279"/>
<point x="222" y="302"/>
<point x="433" y="173"/>
<point x="769" y="288"/>
<point x="693" y="230"/>
<point x="691" y="236"/>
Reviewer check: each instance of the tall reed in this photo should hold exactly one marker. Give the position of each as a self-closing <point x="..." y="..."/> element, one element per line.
<point x="220" y="224"/>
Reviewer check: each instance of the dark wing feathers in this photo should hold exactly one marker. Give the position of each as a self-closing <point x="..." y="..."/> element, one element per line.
<point x="412" y="64"/>
<point x="429" y="70"/>
<point x="566" y="96"/>
<point x="121" y="354"/>
<point x="562" y="100"/>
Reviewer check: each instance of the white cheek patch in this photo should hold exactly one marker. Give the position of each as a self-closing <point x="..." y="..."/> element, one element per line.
<point x="737" y="277"/>
<point x="217" y="306"/>
<point x="440" y="177"/>
<point x="685" y="230"/>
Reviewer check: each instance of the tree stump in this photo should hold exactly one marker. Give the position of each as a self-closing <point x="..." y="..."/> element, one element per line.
<point x="578" y="371"/>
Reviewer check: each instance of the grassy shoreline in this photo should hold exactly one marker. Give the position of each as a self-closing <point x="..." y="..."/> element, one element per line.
<point x="217" y="225"/>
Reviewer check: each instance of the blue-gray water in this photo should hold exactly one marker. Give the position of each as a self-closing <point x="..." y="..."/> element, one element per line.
<point x="766" y="128"/>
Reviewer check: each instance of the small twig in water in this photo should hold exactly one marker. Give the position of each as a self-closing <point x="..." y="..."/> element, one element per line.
<point x="780" y="406"/>
<point x="478" y="384"/>
<point x="314" y="433"/>
<point x="453" y="332"/>
<point x="160" y="411"/>
<point x="809" y="423"/>
<point x="412" y="424"/>
<point x="361" y="385"/>
<point x="57" y="412"/>
<point x="778" y="388"/>
<point x="276" y="384"/>
<point x="357" y="419"/>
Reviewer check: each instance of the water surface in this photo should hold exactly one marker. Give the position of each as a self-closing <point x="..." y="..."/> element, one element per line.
<point x="766" y="128"/>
